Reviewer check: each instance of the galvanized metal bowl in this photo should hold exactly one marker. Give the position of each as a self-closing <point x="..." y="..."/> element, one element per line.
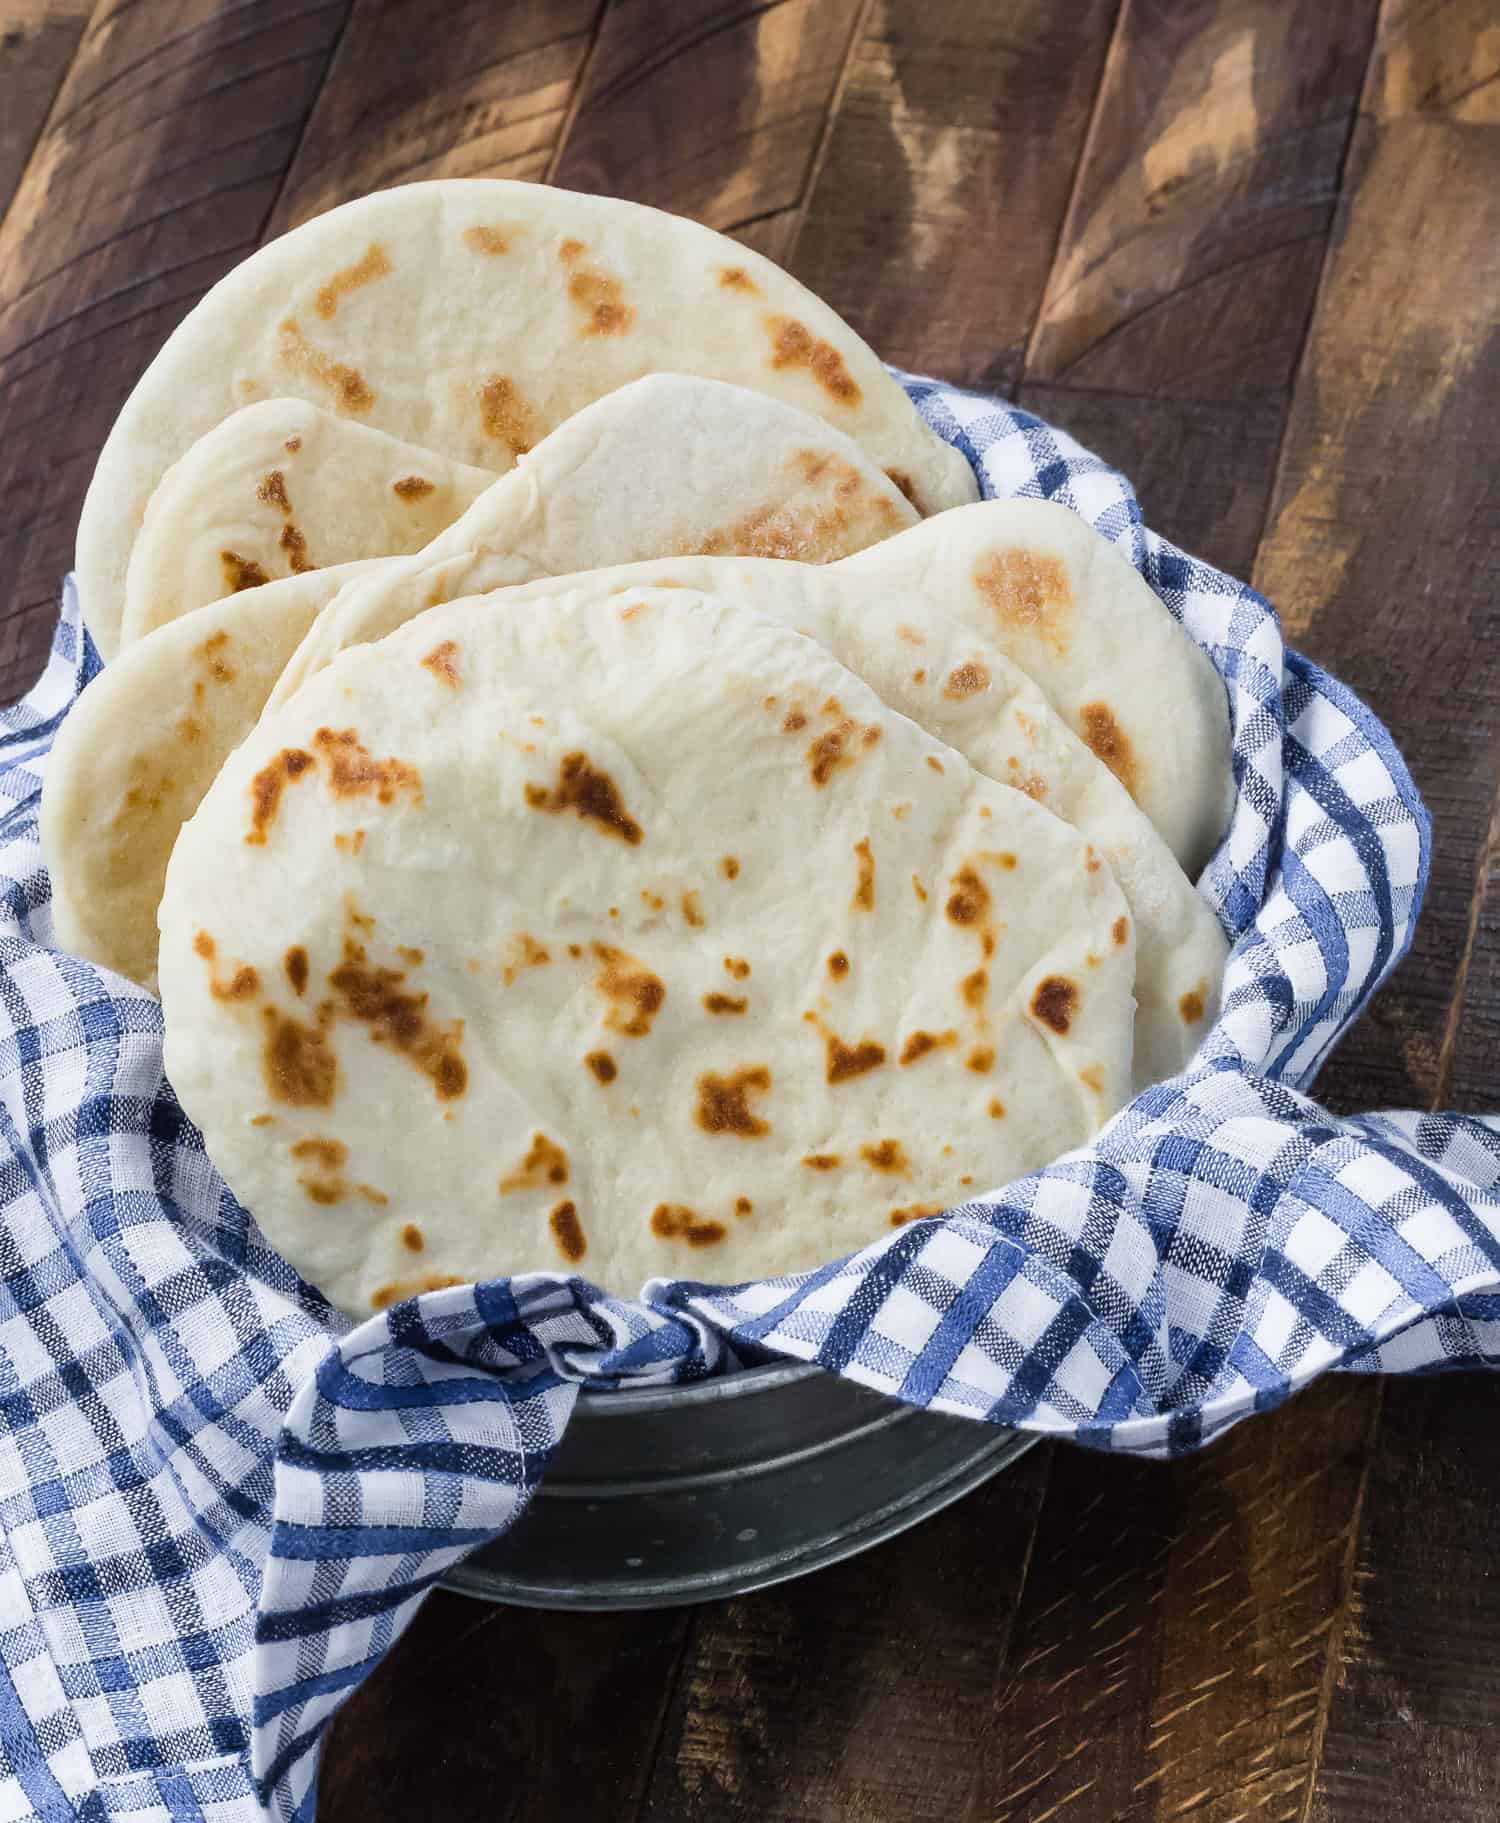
<point x="683" y="1494"/>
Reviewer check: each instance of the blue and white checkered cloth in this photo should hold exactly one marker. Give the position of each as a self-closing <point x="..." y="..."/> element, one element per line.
<point x="220" y="1504"/>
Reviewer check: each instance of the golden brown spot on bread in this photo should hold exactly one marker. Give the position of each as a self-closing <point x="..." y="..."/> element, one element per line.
<point x="743" y="1206"/>
<point x="837" y="747"/>
<point x="1119" y="931"/>
<point x="864" y="887"/>
<point x="920" y="1044"/>
<point x="267" y="786"/>
<point x="844" y="1061"/>
<point x="595" y="291"/>
<point x="919" y="676"/>
<point x="525" y="952"/>
<point x="981" y="1060"/>
<point x="295" y="546"/>
<point x="973" y="988"/>
<point x="652" y="901"/>
<point x="295" y="963"/>
<point x="204" y="945"/>
<point x="272" y="490"/>
<point x="440" y="661"/>
<point x="730" y="868"/>
<point x="297" y="1061"/>
<point x="725" y="1003"/>
<point x="413" y="487"/>
<point x="241" y="572"/>
<point x="793" y="344"/>
<point x="1092" y="1077"/>
<point x="1028" y="592"/>
<point x="737" y="966"/>
<point x="351" y="843"/>
<point x="822" y="1161"/>
<point x="414" y="958"/>
<point x="633" y="992"/>
<point x="914" y="1213"/>
<point x="371" y="1194"/>
<point x="1193" y="1004"/>
<point x="567" y="1231"/>
<point x="887" y="1155"/>
<point x="996" y="1108"/>
<point x="919" y="889"/>
<point x="676" y="1222"/>
<point x="385" y="1295"/>
<point x="262" y="1120"/>
<point x="377" y="998"/>
<point x="899" y="478"/>
<point x="243" y="984"/>
<point x="1055" y="1001"/>
<point x="838" y="964"/>
<point x="795" y="721"/>
<point x="505" y="414"/>
<point x="691" y="910"/>
<point x="329" y="1153"/>
<point x="1104" y="736"/>
<point x="212" y="653"/>
<point x="966" y="680"/>
<point x="545" y="1163"/>
<point x="969" y="902"/>
<point x="934" y="762"/>
<point x="292" y="445"/>
<point x="324" y="1190"/>
<point x="373" y="264"/>
<point x="412" y="1238"/>
<point x="724" y="1102"/>
<point x="735" y="278"/>
<point x="189" y="731"/>
<point x="602" y="1065"/>
<point x="911" y="635"/>
<point x="354" y="772"/>
<point x="590" y="794"/>
<point x="482" y="238"/>
<point x="351" y="395"/>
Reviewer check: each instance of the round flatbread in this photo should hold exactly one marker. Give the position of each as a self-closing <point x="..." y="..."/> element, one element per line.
<point x="279" y="489"/>
<point x="473" y="316"/>
<point x="629" y="936"/>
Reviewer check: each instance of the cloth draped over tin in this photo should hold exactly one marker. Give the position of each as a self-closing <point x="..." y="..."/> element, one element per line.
<point x="221" y="1504"/>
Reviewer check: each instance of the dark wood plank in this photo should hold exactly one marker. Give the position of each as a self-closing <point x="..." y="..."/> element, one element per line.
<point x="1384" y="550"/>
<point x="711" y="109"/>
<point x="1437" y="56"/>
<point x="37" y="42"/>
<point x="487" y="95"/>
<point x="1202" y="468"/>
<point x="158" y="169"/>
<point x="860" y="1694"/>
<point x="1412" y="1734"/>
<point x="499" y="1713"/>
<point x="1209" y="184"/>
<point x="948" y="167"/>
<point x="1178" y="1627"/>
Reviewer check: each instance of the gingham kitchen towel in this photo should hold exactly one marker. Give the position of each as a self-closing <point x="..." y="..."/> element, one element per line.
<point x="221" y="1504"/>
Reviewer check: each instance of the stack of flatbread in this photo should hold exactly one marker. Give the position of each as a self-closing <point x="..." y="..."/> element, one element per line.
<point x="592" y="786"/>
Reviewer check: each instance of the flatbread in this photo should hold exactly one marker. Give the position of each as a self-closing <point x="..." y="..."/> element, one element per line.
<point x="669" y="465"/>
<point x="1030" y="578"/>
<point x="958" y="685"/>
<point x="625" y="936"/>
<point x="276" y="490"/>
<point x="1076" y="616"/>
<point x="473" y="316"/>
<point x="141" y="746"/>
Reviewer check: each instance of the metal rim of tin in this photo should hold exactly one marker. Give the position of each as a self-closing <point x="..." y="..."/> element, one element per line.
<point x="521" y="1581"/>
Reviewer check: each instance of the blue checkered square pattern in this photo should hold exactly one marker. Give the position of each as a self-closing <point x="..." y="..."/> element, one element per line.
<point x="220" y="1503"/>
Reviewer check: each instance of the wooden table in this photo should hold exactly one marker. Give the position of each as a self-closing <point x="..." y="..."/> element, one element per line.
<point x="1251" y="252"/>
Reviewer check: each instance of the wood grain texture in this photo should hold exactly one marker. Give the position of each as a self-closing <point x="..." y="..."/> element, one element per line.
<point x="1383" y="552"/>
<point x="860" y="1695"/>
<point x="711" y="109"/>
<point x="486" y="95"/>
<point x="37" y="42"/>
<point x="158" y="170"/>
<point x="1414" y="1727"/>
<point x="1210" y="180"/>
<point x="1437" y="57"/>
<point x="1178" y="1626"/>
<point x="503" y="1714"/>
<point x="948" y="167"/>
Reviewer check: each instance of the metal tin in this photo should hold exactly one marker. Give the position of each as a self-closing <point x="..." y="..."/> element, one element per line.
<point x="685" y="1494"/>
